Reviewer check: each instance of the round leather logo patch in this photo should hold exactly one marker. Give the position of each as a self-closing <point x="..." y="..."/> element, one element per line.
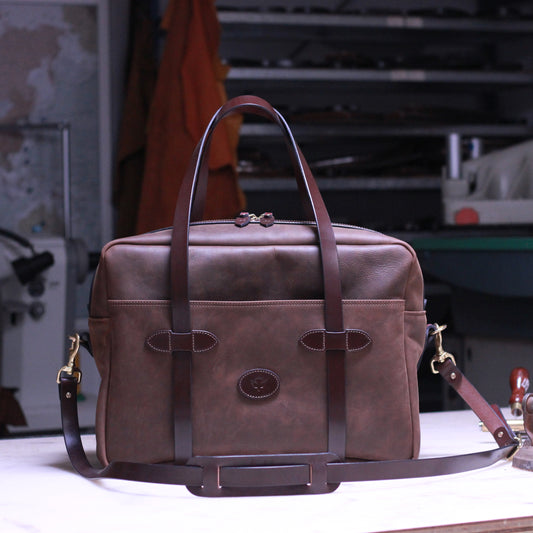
<point x="258" y="384"/>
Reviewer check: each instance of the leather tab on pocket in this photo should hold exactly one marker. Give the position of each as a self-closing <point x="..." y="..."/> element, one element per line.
<point x="168" y="341"/>
<point x="350" y="340"/>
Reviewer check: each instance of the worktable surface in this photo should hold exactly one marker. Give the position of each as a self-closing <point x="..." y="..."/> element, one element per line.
<point x="40" y="492"/>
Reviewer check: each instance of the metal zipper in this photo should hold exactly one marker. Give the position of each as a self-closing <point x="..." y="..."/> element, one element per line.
<point x="297" y="222"/>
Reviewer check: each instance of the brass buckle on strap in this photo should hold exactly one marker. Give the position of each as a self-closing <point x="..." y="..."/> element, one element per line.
<point x="70" y="367"/>
<point x="440" y="355"/>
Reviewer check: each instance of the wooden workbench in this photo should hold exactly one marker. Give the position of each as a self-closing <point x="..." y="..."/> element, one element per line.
<point x="40" y="492"/>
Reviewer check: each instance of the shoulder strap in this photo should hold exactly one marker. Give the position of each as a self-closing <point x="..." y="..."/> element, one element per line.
<point x="288" y="474"/>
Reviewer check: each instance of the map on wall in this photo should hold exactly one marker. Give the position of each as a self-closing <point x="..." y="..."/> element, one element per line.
<point x="48" y="76"/>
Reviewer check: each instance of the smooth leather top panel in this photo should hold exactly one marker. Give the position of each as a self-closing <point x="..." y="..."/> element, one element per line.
<point x="279" y="262"/>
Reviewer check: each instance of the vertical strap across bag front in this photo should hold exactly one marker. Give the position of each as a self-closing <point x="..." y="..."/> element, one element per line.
<point x="333" y="317"/>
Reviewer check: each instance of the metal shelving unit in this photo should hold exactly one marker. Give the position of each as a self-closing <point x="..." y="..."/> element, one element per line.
<point x="306" y="131"/>
<point x="292" y="43"/>
<point x="361" y="183"/>
<point x="327" y="75"/>
<point x="346" y="20"/>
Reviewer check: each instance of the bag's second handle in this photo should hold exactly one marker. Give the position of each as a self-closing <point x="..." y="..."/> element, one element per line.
<point x="259" y="107"/>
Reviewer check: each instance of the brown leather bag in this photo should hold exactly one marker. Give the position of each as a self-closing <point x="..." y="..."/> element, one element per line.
<point x="237" y="356"/>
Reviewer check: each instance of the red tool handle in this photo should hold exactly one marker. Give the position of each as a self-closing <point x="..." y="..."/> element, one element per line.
<point x="519" y="383"/>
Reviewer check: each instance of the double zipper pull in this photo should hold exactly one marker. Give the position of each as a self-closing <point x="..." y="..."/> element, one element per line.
<point x="440" y="355"/>
<point x="266" y="219"/>
<point x="243" y="219"/>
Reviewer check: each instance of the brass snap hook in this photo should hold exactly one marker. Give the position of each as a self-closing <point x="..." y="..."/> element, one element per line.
<point x="440" y="355"/>
<point x="70" y="367"/>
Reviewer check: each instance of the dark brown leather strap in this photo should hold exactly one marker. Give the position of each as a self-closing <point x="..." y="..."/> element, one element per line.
<point x="157" y="473"/>
<point x="319" y="340"/>
<point x="335" y="359"/>
<point x="497" y="425"/>
<point x="277" y="474"/>
<point x="197" y="341"/>
<point x="438" y="466"/>
<point x="182" y="384"/>
<point x="265" y="110"/>
<point x="333" y="315"/>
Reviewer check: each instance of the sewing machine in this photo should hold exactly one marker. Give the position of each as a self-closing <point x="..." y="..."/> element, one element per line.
<point x="496" y="188"/>
<point x="37" y="312"/>
<point x="39" y="274"/>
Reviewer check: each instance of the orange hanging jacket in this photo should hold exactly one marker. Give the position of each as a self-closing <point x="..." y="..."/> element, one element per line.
<point x="189" y="90"/>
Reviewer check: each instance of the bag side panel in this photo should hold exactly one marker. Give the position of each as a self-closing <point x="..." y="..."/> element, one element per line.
<point x="99" y="330"/>
<point x="415" y="327"/>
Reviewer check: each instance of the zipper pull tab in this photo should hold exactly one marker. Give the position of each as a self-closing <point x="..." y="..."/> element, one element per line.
<point x="267" y="219"/>
<point x="243" y="219"/>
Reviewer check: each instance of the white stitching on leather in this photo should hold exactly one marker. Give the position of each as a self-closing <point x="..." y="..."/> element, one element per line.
<point x="346" y="343"/>
<point x="251" y="303"/>
<point x="311" y="332"/>
<point x="364" y="333"/>
<point x="203" y="332"/>
<point x="152" y="346"/>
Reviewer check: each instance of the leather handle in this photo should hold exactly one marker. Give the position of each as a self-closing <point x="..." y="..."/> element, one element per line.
<point x="179" y="282"/>
<point x="256" y="106"/>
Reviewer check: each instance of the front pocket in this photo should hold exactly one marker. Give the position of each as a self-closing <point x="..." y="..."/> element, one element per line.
<point x="260" y="335"/>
